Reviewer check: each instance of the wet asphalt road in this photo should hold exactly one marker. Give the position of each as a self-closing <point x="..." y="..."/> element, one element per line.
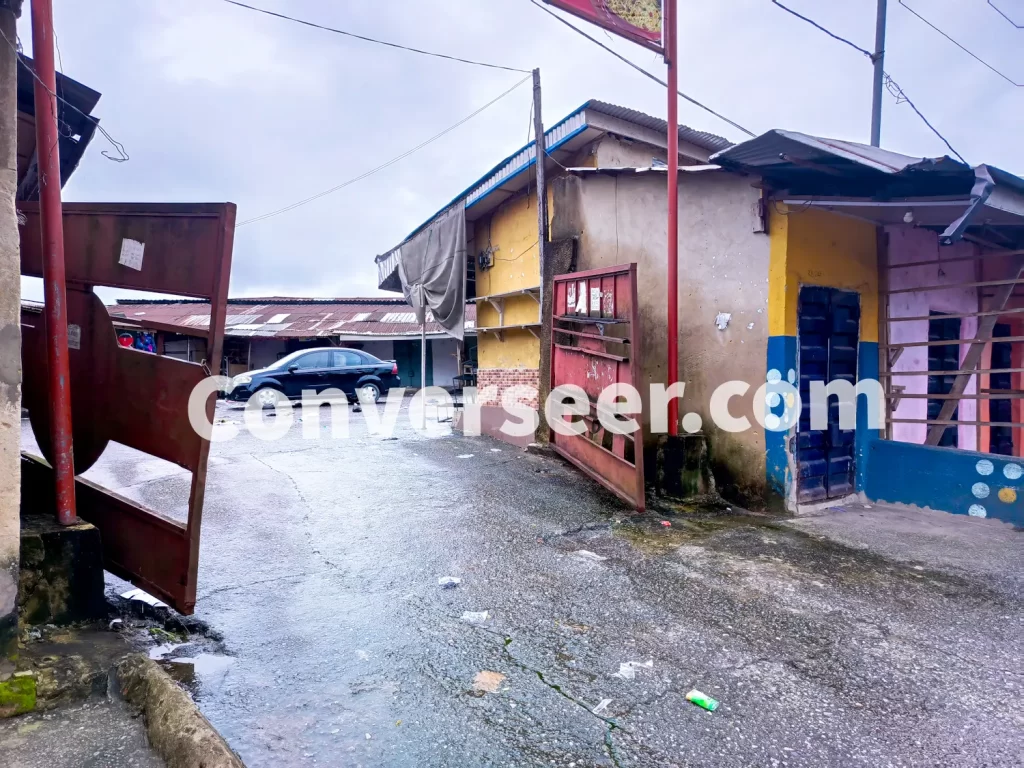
<point x="320" y="562"/>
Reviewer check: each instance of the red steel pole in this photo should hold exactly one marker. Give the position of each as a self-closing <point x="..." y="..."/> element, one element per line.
<point x="51" y="215"/>
<point x="671" y="46"/>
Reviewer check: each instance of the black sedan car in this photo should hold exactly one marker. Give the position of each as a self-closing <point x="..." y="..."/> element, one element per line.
<point x="355" y="373"/>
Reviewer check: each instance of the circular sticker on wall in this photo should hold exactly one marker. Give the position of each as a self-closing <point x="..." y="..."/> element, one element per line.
<point x="1012" y="471"/>
<point x="791" y="376"/>
<point x="984" y="467"/>
<point x="980" y="490"/>
<point x="977" y="510"/>
<point x="774" y="376"/>
<point x="1007" y="495"/>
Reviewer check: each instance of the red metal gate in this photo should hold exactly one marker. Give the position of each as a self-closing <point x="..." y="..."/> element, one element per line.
<point x="125" y="395"/>
<point x="595" y="343"/>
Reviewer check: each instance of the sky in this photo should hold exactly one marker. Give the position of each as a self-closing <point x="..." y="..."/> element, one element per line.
<point x="217" y="103"/>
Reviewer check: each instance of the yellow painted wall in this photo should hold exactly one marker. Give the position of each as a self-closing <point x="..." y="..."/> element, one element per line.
<point x="814" y="247"/>
<point x="512" y="231"/>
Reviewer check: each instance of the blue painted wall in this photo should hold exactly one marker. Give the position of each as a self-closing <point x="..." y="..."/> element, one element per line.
<point x="947" y="479"/>
<point x="781" y="358"/>
<point x="867" y="368"/>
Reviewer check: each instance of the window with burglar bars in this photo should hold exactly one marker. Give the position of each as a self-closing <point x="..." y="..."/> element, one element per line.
<point x="951" y="343"/>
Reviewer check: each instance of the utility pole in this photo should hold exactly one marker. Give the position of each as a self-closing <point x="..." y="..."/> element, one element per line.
<point x="879" y="78"/>
<point x="542" y="191"/>
<point x="10" y="342"/>
<point x="671" y="45"/>
<point x="54" y="290"/>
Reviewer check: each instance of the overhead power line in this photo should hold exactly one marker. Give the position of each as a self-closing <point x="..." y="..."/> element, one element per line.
<point x="641" y="70"/>
<point x="382" y="166"/>
<point x="372" y="39"/>
<point x="970" y="53"/>
<point x="891" y="85"/>
<point x="1001" y="13"/>
<point x="828" y="32"/>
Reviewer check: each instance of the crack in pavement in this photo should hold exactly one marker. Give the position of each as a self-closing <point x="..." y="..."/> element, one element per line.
<point x="305" y="515"/>
<point x="611" y="724"/>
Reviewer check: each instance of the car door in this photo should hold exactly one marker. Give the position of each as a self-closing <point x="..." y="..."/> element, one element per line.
<point x="347" y="370"/>
<point x="308" y="372"/>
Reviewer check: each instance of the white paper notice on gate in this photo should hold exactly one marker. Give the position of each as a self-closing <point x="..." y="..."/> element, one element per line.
<point x="131" y="253"/>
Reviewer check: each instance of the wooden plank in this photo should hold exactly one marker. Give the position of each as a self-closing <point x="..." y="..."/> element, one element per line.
<point x="954" y="423"/>
<point x="973" y="358"/>
<point x="957" y="286"/>
<point x="997" y="313"/>
<point x="952" y="342"/>
<point x="949" y="373"/>
<point x="943" y="262"/>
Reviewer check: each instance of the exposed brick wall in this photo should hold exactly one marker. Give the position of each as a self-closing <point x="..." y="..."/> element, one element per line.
<point x="504" y="378"/>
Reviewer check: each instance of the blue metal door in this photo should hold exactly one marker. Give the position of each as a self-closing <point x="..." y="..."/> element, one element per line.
<point x="829" y="331"/>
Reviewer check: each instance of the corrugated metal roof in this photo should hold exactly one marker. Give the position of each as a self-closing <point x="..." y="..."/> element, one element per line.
<point x="779" y="148"/>
<point x="702" y="139"/>
<point x="307" y="318"/>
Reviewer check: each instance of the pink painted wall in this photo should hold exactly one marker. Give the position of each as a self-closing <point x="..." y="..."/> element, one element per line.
<point x="911" y="245"/>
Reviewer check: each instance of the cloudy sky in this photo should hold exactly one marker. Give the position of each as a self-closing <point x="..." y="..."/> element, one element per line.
<point x="218" y="103"/>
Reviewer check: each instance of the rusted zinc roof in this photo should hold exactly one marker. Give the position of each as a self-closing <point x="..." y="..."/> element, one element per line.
<point x="285" y="318"/>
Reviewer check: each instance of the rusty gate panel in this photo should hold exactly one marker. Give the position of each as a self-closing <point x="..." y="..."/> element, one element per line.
<point x="595" y="331"/>
<point x="125" y="395"/>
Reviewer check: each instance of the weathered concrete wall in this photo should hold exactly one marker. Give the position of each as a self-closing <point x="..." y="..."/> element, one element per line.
<point x="615" y="152"/>
<point x="10" y="351"/>
<point x="910" y="245"/>
<point x="723" y="269"/>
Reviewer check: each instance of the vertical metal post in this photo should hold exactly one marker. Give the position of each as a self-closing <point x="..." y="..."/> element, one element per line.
<point x="542" y="191"/>
<point x="423" y="363"/>
<point x="879" y="60"/>
<point x="671" y="47"/>
<point x="52" y="225"/>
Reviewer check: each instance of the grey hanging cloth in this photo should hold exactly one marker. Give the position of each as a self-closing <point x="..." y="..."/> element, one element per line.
<point x="432" y="268"/>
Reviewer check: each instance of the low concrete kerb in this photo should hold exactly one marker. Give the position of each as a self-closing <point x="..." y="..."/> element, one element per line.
<point x="176" y="729"/>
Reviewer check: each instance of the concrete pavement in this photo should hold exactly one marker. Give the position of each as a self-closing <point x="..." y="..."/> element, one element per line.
<point x="320" y="562"/>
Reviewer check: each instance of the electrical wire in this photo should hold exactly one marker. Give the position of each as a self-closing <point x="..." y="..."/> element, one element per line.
<point x="963" y="48"/>
<point x="371" y="39"/>
<point x="641" y="70"/>
<point x="382" y="166"/>
<point x="891" y="85"/>
<point x="113" y="142"/>
<point x="898" y="93"/>
<point x="828" y="32"/>
<point x="1001" y="13"/>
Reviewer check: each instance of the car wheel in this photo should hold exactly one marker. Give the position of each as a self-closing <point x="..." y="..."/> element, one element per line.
<point x="369" y="393"/>
<point x="268" y="397"/>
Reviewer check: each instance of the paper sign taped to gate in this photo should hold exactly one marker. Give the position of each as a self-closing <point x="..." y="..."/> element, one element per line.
<point x="131" y="254"/>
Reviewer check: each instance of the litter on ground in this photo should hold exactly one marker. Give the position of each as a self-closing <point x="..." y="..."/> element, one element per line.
<point x="702" y="700"/>
<point x="449" y="582"/>
<point x="627" y="669"/>
<point x="476" y="617"/>
<point x="487" y="682"/>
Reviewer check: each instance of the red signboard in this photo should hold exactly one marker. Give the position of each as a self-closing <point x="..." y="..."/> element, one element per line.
<point x="636" y="20"/>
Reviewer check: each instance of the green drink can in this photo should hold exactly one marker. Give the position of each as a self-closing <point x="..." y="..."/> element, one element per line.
<point x="702" y="700"/>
